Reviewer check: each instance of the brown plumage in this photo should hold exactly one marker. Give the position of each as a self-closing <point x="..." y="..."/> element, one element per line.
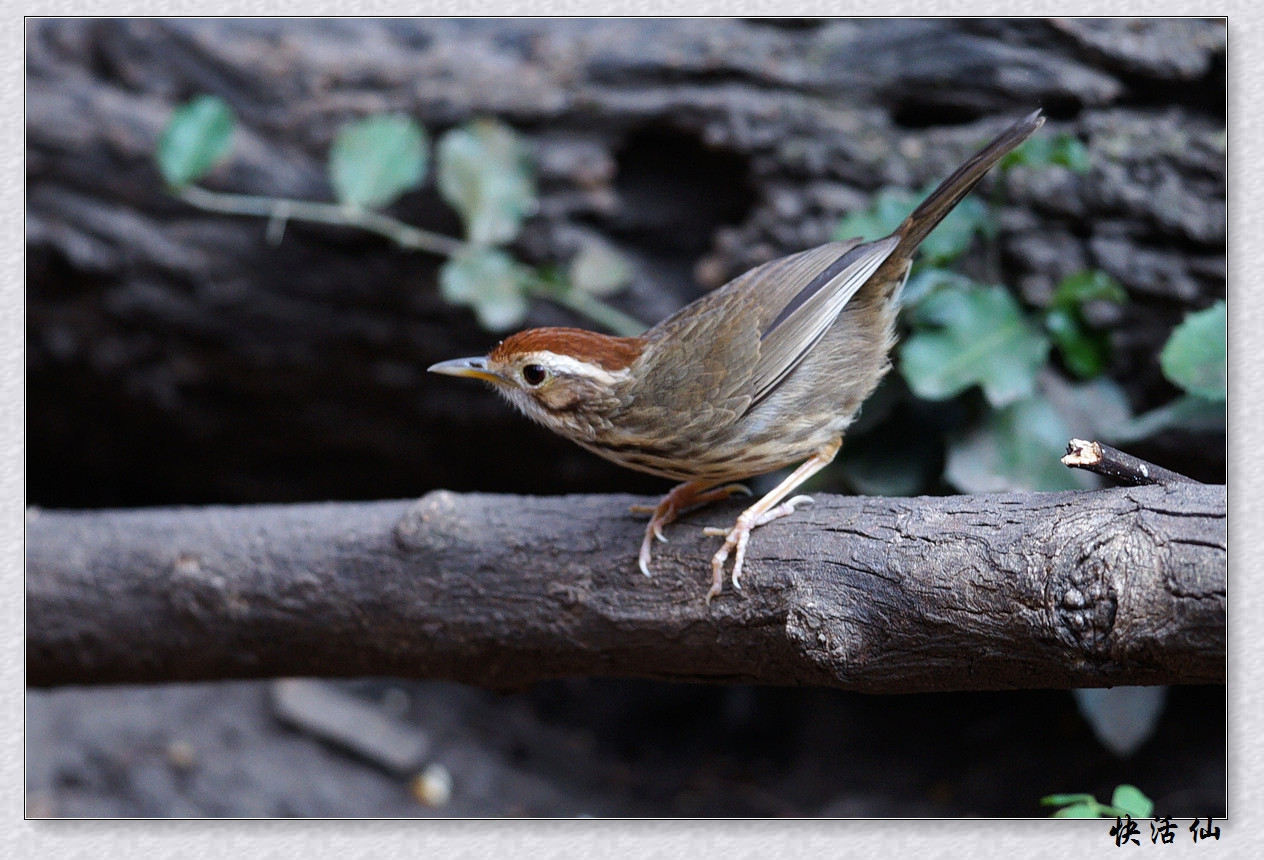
<point x="765" y="372"/>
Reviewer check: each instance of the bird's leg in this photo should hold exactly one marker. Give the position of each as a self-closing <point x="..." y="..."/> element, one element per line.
<point x="688" y="495"/>
<point x="767" y="509"/>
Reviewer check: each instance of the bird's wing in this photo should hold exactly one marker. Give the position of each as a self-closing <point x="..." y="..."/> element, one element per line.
<point x="736" y="343"/>
<point x="819" y="284"/>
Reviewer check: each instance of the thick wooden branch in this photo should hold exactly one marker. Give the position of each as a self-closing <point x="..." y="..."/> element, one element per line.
<point x="1119" y="586"/>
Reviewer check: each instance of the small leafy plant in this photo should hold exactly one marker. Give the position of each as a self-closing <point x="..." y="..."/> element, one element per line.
<point x="1126" y="800"/>
<point x="1029" y="378"/>
<point x="482" y="170"/>
<point x="1055" y="150"/>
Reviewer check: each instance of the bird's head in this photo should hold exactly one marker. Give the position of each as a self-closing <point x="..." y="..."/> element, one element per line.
<point x="567" y="379"/>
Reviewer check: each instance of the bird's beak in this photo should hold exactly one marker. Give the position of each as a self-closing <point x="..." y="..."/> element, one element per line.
<point x="475" y="368"/>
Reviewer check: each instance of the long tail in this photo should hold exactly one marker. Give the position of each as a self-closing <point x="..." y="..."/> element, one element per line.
<point x="952" y="190"/>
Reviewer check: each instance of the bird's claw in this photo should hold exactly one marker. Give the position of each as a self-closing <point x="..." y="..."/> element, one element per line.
<point x="653" y="531"/>
<point x="680" y="499"/>
<point x="685" y="497"/>
<point x="736" y="539"/>
<point x="712" y="592"/>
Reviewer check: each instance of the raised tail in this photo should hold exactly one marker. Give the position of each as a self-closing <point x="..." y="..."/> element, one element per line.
<point x="886" y="282"/>
<point x="952" y="190"/>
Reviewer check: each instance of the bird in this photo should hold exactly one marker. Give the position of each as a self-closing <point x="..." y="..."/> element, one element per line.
<point x="760" y="374"/>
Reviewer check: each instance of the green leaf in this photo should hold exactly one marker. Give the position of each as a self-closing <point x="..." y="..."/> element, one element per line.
<point x="1129" y="800"/>
<point x="1188" y="413"/>
<point x="551" y="282"/>
<point x="970" y="337"/>
<point x="489" y="281"/>
<point x="376" y="159"/>
<point x="929" y="279"/>
<point x="954" y="234"/>
<point x="1084" y="351"/>
<point x="1014" y="449"/>
<point x="891" y="206"/>
<point x="1090" y="285"/>
<point x="197" y="137"/>
<point x="1066" y="799"/>
<point x="1063" y="150"/>
<point x="1194" y="356"/>
<point x="485" y="175"/>
<point x="1090" y="410"/>
<point x="599" y="269"/>
<point x="1081" y="810"/>
<point x="1069" y="152"/>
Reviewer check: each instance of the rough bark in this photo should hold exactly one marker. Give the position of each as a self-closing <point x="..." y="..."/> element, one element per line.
<point x="175" y="356"/>
<point x="1114" y="587"/>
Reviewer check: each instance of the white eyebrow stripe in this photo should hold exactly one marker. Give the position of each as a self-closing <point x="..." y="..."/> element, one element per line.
<point x="575" y="367"/>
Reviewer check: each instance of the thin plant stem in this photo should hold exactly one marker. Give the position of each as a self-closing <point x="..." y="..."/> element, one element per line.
<point x="284" y="209"/>
<point x="279" y="210"/>
<point x="591" y="307"/>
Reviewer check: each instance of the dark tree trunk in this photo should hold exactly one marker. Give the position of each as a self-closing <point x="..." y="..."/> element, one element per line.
<point x="174" y="356"/>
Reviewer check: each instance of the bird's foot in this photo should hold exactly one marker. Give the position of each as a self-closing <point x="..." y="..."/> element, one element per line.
<point x="682" y="498"/>
<point x="736" y="538"/>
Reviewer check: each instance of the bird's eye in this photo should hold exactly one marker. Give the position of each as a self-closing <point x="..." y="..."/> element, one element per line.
<point x="534" y="374"/>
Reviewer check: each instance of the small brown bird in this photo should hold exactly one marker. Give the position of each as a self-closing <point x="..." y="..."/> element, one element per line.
<point x="759" y="374"/>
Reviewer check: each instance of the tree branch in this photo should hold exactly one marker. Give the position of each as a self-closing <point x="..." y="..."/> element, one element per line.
<point x="1114" y="587"/>
<point x="1118" y="465"/>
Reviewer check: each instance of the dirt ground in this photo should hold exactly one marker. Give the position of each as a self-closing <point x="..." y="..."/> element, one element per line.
<point x="610" y="748"/>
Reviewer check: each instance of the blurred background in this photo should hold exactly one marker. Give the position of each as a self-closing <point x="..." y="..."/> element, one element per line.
<point x="212" y="318"/>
